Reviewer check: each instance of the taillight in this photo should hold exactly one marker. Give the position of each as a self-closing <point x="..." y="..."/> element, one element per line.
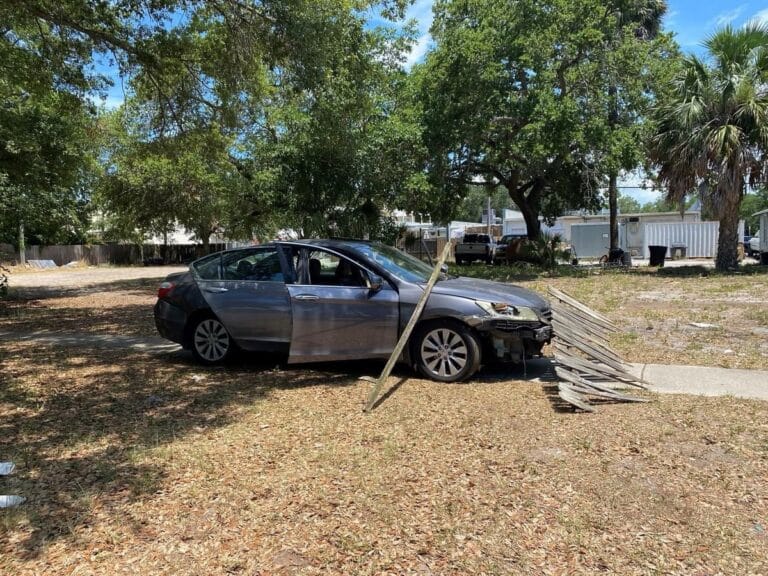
<point x="165" y="289"/>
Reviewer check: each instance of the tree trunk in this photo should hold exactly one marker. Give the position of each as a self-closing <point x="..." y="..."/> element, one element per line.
<point x="528" y="205"/>
<point x="22" y="244"/>
<point x="727" y="244"/>
<point x="531" y="221"/>
<point x="613" y="204"/>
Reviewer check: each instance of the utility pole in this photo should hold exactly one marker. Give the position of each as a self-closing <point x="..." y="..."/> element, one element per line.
<point x="488" y="213"/>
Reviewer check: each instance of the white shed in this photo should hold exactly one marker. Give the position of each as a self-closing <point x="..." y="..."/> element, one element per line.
<point x="763" y="214"/>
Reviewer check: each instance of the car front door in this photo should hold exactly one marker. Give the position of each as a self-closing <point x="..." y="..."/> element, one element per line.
<point x="247" y="292"/>
<point x="336" y="316"/>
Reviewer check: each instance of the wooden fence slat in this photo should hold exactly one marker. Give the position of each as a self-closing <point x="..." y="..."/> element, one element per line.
<point x="604" y="372"/>
<point x="408" y="329"/>
<point x="594" y="388"/>
<point x="560" y="295"/>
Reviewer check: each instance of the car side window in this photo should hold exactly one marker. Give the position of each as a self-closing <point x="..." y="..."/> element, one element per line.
<point x="208" y="267"/>
<point x="327" y="269"/>
<point x="262" y="265"/>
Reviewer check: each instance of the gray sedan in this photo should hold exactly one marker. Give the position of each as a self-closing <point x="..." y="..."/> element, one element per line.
<point x="326" y="300"/>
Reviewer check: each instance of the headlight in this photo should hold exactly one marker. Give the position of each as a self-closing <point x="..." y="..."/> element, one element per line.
<point x="509" y="311"/>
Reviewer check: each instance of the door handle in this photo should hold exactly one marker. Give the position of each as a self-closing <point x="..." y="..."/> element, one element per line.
<point x="215" y="290"/>
<point x="307" y="297"/>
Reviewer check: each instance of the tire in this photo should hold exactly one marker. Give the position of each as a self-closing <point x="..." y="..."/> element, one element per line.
<point x="210" y="341"/>
<point x="446" y="351"/>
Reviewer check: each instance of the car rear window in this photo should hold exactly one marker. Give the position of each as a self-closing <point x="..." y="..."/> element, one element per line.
<point x="480" y="238"/>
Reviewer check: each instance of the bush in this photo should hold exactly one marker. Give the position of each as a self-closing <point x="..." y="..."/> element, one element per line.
<point x="546" y="251"/>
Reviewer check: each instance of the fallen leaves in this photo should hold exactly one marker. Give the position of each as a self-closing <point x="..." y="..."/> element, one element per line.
<point x="150" y="464"/>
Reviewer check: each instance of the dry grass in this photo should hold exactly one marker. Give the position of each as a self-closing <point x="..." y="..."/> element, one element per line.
<point x="120" y="307"/>
<point x="155" y="463"/>
<point x="152" y="465"/>
<point x="657" y="310"/>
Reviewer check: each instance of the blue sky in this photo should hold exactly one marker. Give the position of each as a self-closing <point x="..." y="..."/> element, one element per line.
<point x="692" y="21"/>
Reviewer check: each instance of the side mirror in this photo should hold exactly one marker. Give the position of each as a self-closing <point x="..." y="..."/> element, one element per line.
<point x="444" y="269"/>
<point x="375" y="283"/>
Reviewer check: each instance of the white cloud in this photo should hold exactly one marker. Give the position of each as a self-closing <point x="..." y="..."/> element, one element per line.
<point x="421" y="12"/>
<point x="112" y="102"/>
<point x="728" y="17"/>
<point x="418" y="50"/>
<point x="643" y="196"/>
<point x="761" y="16"/>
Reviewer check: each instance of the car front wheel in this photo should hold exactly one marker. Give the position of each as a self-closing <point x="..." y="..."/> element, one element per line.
<point x="211" y="343"/>
<point x="447" y="351"/>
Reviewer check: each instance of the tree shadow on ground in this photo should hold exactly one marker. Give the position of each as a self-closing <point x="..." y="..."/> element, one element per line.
<point x="34" y="316"/>
<point x="140" y="286"/>
<point x="75" y="429"/>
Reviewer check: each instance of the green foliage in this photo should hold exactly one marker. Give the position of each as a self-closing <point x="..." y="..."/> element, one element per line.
<point x="546" y="251"/>
<point x="751" y="204"/>
<point x="46" y="165"/>
<point x="471" y="207"/>
<point x="153" y="185"/>
<point x="243" y="113"/>
<point x="711" y="134"/>
<point x="517" y="94"/>
<point x="326" y="161"/>
<point x="628" y="205"/>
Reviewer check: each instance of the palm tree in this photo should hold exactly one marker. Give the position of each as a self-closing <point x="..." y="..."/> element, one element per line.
<point x="713" y="134"/>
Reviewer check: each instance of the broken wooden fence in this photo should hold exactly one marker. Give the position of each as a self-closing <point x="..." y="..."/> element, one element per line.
<point x="588" y="368"/>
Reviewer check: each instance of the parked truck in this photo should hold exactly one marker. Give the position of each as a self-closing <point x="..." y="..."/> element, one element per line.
<point x="475" y="247"/>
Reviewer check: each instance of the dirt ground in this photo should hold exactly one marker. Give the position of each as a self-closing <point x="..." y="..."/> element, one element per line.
<point x="136" y="463"/>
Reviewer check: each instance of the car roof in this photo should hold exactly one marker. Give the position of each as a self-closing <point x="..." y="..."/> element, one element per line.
<point x="328" y="242"/>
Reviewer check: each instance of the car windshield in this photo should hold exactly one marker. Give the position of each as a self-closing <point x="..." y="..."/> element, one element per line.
<point x="397" y="263"/>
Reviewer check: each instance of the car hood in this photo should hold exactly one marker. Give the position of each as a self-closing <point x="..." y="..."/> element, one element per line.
<point x="476" y="289"/>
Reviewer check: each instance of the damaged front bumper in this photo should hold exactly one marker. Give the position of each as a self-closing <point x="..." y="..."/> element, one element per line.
<point x="509" y="339"/>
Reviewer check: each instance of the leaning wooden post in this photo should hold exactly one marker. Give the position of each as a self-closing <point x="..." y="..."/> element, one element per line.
<point x="408" y="329"/>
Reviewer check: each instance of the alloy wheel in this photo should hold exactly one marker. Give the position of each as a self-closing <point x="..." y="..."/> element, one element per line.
<point x="211" y="340"/>
<point x="444" y="352"/>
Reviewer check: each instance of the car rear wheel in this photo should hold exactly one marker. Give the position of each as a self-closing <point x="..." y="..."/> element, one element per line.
<point x="447" y="351"/>
<point x="211" y="343"/>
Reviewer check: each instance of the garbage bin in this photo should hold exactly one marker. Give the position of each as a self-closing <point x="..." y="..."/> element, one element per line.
<point x="657" y="255"/>
<point x="678" y="251"/>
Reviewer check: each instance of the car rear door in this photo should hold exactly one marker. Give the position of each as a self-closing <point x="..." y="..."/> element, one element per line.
<point x="247" y="292"/>
<point x="336" y="316"/>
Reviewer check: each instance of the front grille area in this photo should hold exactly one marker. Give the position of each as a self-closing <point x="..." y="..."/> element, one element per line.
<point x="512" y="325"/>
